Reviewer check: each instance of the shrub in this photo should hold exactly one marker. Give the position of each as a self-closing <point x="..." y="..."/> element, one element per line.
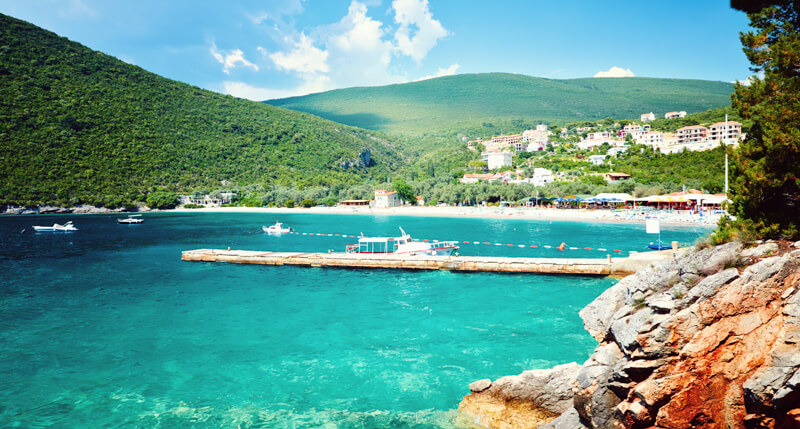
<point x="289" y="204"/>
<point x="308" y="203"/>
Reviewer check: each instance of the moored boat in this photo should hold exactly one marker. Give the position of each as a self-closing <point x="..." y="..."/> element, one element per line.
<point x="403" y="245"/>
<point x="56" y="228"/>
<point x="131" y="219"/>
<point x="276" y="229"/>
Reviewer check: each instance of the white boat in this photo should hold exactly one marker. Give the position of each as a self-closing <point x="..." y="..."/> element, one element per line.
<point x="131" y="219"/>
<point x="276" y="229"/>
<point x="403" y="245"/>
<point x="57" y="227"/>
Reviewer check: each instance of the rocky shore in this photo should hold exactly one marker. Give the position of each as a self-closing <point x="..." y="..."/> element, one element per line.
<point x="81" y="209"/>
<point x="709" y="339"/>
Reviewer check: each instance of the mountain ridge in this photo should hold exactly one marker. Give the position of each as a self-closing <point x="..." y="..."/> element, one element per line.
<point x="475" y="101"/>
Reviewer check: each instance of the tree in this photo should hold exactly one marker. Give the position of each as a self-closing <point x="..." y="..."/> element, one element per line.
<point x="404" y="190"/>
<point x="766" y="189"/>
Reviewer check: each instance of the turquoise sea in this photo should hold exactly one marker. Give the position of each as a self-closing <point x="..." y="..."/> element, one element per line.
<point x="106" y="327"/>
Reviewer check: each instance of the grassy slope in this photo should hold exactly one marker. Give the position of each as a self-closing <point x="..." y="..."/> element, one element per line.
<point x="490" y="102"/>
<point x="80" y="126"/>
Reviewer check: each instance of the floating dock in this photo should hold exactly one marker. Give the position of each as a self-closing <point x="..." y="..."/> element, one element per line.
<point x="620" y="266"/>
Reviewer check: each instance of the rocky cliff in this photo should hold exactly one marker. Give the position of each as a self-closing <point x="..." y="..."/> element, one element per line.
<point x="709" y="339"/>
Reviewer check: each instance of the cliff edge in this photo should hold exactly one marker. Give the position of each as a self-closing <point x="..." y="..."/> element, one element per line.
<point x="709" y="339"/>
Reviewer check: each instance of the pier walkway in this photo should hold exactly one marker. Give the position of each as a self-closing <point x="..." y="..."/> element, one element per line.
<point x="620" y="266"/>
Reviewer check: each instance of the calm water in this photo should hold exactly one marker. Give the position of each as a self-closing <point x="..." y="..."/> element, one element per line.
<point x="107" y="327"/>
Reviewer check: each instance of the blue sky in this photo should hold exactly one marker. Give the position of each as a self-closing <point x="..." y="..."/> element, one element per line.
<point x="277" y="48"/>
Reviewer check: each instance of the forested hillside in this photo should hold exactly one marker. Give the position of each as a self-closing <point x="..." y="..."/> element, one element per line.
<point x="497" y="103"/>
<point x="79" y="126"/>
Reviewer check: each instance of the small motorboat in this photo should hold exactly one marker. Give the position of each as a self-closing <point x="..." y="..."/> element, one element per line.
<point x="658" y="246"/>
<point x="56" y="228"/>
<point x="131" y="219"/>
<point x="276" y="229"/>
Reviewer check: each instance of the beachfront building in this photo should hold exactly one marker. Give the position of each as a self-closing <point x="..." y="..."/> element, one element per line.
<point x="207" y="200"/>
<point x="354" y="203"/>
<point x="495" y="160"/>
<point x="728" y="133"/>
<point x="597" y="159"/>
<point x="691" y="134"/>
<point x="674" y="115"/>
<point x="385" y="199"/>
<point x="647" y="117"/>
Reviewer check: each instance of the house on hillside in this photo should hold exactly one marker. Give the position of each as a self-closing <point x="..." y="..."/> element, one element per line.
<point x="616" y="177"/>
<point x="495" y="160"/>
<point x="475" y="178"/>
<point x="647" y="117"/>
<point x="728" y="133"/>
<point x="385" y="199"/>
<point x="675" y="115"/>
<point x="597" y="159"/>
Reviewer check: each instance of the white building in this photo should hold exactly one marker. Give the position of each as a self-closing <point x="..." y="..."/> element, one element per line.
<point x="615" y="151"/>
<point x="597" y="159"/>
<point x="542" y="128"/>
<point x="730" y="135"/>
<point x="647" y="117"/>
<point x="599" y="135"/>
<point x="650" y="138"/>
<point x="541" y="177"/>
<point x="495" y="160"/>
<point x="385" y="199"/>
<point x="674" y="115"/>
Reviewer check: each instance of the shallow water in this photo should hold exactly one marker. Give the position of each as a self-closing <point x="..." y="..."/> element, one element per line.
<point x="107" y="327"/>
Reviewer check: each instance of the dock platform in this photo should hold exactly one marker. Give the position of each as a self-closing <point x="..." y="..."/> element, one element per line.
<point x="619" y="266"/>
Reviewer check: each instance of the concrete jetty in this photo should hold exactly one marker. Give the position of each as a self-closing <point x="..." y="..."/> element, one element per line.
<point x="609" y="266"/>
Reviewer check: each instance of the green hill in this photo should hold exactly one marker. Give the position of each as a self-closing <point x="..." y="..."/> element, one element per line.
<point x="79" y="126"/>
<point x="494" y="103"/>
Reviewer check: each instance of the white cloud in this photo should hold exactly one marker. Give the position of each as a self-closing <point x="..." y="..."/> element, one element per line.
<point x="304" y="58"/>
<point x="416" y="13"/>
<point x="258" y="17"/>
<point x="615" y="72"/>
<point x="243" y="90"/>
<point x="358" y="50"/>
<point x="230" y="60"/>
<point x="442" y="72"/>
<point x="358" y="55"/>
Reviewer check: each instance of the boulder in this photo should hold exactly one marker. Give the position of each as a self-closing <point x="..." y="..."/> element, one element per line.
<point x="765" y="249"/>
<point x="480" y="385"/>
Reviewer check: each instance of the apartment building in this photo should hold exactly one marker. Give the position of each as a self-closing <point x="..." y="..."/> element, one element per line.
<point x="718" y="131"/>
<point x="691" y="134"/>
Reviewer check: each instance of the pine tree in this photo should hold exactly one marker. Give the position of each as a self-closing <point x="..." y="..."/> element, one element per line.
<point x="766" y="191"/>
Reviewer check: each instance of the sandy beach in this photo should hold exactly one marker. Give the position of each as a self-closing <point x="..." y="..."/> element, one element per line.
<point x="576" y="215"/>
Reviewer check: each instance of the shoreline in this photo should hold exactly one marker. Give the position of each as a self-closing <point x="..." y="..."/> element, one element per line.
<point x="521" y="213"/>
<point x="544" y="214"/>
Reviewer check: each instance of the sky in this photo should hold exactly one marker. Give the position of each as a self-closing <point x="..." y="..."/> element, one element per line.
<point x="269" y="49"/>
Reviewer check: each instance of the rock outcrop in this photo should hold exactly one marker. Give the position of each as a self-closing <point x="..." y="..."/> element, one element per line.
<point x="710" y="339"/>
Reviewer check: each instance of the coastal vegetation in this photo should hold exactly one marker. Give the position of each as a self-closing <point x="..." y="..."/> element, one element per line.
<point x="766" y="191"/>
<point x="81" y="127"/>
